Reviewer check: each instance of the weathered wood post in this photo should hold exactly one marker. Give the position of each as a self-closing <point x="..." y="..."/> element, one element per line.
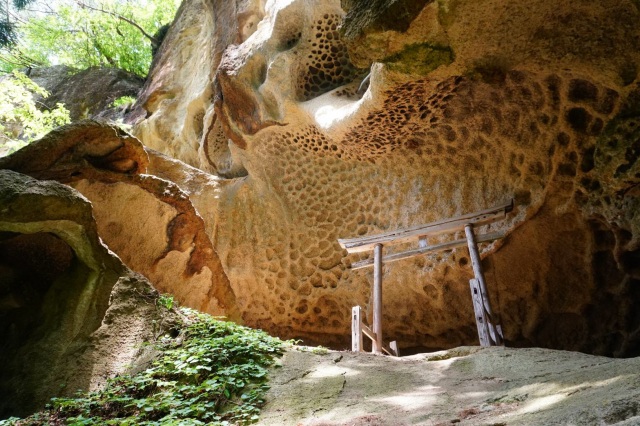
<point x="478" y="309"/>
<point x="487" y="314"/>
<point x="377" y="298"/>
<point x="356" y="329"/>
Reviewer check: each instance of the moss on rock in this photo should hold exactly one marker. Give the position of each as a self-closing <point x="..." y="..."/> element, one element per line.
<point x="420" y="58"/>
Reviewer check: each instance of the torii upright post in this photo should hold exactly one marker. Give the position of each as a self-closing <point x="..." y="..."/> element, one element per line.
<point x="376" y="346"/>
<point x="488" y="331"/>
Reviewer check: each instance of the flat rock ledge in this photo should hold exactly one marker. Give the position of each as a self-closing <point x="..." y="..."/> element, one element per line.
<point x="465" y="386"/>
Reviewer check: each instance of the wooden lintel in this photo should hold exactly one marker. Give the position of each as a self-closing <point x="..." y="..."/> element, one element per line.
<point x="361" y="244"/>
<point x="419" y="251"/>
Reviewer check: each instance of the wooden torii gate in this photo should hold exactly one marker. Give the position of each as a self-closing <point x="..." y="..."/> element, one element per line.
<point x="489" y="332"/>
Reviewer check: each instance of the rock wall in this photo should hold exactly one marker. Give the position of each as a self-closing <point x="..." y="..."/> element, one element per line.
<point x="87" y="93"/>
<point x="148" y="221"/>
<point x="467" y="105"/>
<point x="304" y="121"/>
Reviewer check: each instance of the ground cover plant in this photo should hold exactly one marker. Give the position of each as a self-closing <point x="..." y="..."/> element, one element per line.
<point x="214" y="374"/>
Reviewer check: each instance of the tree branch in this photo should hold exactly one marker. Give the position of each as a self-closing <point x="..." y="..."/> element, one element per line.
<point x="151" y="38"/>
<point x="99" y="48"/>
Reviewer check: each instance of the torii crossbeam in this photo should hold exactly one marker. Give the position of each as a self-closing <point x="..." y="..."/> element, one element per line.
<point x="489" y="332"/>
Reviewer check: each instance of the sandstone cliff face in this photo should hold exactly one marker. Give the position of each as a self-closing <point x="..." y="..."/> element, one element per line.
<point x="148" y="221"/>
<point x="468" y="105"/>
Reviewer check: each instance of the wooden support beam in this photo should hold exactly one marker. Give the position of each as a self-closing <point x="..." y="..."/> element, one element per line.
<point x="420" y="251"/>
<point x="361" y="244"/>
<point x="479" y="278"/>
<point x="392" y="349"/>
<point x="356" y="329"/>
<point x="368" y="332"/>
<point x="386" y="349"/>
<point x="377" y="298"/>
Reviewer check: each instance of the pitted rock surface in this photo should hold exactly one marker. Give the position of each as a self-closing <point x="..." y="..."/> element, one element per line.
<point x="467" y="105"/>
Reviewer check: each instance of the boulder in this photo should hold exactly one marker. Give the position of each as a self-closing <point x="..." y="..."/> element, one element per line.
<point x="148" y="221"/>
<point x="88" y="93"/>
<point x="463" y="385"/>
<point x="71" y="314"/>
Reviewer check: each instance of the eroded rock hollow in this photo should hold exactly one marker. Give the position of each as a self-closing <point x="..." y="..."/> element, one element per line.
<point x="274" y="128"/>
<point x="71" y="314"/>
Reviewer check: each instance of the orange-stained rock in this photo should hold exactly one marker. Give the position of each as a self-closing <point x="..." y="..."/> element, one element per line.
<point x="149" y="222"/>
<point x="307" y="126"/>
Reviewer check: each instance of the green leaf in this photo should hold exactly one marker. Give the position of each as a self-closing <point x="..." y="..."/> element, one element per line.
<point x="82" y="37"/>
<point x="20" y="119"/>
<point x="186" y="385"/>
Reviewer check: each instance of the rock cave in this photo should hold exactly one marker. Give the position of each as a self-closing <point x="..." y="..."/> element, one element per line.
<point x="465" y="107"/>
<point x="267" y="130"/>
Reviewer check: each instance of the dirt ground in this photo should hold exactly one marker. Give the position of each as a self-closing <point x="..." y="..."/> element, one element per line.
<point x="465" y="386"/>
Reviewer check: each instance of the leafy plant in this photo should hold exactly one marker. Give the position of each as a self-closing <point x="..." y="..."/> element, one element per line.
<point x="317" y="350"/>
<point x="7" y="23"/>
<point x="21" y="121"/>
<point x="320" y="350"/>
<point x="123" y="101"/>
<point x="216" y="376"/>
<point x="166" y="301"/>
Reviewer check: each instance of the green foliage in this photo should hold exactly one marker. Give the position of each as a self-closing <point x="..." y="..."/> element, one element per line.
<point x="7" y="24"/>
<point x="217" y="376"/>
<point x="123" y="101"/>
<point x="165" y="300"/>
<point x="85" y="33"/>
<point x="21" y="121"/>
<point x="320" y="350"/>
<point x="7" y="32"/>
<point x="317" y="350"/>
